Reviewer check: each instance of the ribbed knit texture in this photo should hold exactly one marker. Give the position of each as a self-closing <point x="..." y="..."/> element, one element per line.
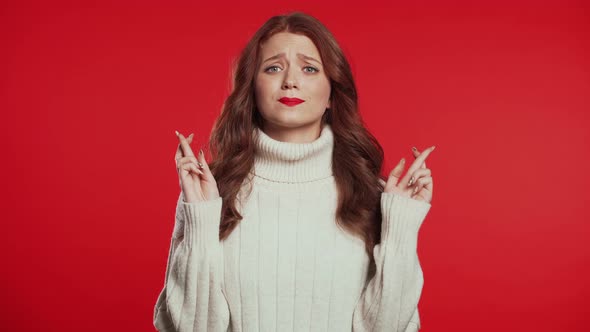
<point x="288" y="266"/>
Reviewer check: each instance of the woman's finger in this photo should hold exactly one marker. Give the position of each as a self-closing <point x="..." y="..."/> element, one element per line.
<point x="415" y="165"/>
<point x="196" y="169"/>
<point x="186" y="149"/>
<point x="416" y="153"/>
<point x="420" y="183"/>
<point x="419" y="173"/>
<point x="190" y="167"/>
<point x="430" y="185"/>
<point x="178" y="153"/>
<point x="424" y="194"/>
<point x="207" y="172"/>
<point x="191" y="160"/>
<point x="394" y="175"/>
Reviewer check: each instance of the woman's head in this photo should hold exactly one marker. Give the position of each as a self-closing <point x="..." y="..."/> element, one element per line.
<point x="291" y="67"/>
<point x="286" y="33"/>
<point x="330" y="98"/>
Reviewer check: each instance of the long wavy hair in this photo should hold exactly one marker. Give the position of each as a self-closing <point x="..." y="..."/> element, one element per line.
<point x="357" y="155"/>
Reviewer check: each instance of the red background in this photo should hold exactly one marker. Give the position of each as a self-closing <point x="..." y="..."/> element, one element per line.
<point x="91" y="95"/>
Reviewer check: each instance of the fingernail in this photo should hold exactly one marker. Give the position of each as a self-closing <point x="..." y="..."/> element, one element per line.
<point x="415" y="190"/>
<point x="177" y="133"/>
<point x="403" y="161"/>
<point x="190" y="136"/>
<point x="414" y="148"/>
<point x="411" y="181"/>
<point x="433" y="147"/>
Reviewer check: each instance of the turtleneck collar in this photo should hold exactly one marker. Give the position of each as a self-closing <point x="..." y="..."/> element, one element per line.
<point x="294" y="162"/>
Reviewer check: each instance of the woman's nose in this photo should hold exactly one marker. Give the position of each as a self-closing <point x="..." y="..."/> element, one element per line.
<point x="289" y="81"/>
<point x="288" y="84"/>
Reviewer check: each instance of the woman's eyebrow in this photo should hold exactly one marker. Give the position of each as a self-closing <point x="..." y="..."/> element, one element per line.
<point x="300" y="55"/>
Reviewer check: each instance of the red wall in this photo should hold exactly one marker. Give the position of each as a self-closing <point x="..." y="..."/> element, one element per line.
<point x="91" y="95"/>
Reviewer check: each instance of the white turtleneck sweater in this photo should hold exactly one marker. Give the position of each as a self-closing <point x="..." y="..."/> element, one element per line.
<point x="288" y="266"/>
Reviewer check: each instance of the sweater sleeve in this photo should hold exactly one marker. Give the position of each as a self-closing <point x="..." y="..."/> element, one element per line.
<point x="389" y="302"/>
<point x="192" y="298"/>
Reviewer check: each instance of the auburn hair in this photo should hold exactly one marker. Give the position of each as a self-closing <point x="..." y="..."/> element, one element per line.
<point x="357" y="155"/>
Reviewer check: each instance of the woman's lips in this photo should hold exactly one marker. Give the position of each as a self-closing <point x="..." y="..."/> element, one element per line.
<point x="291" y="101"/>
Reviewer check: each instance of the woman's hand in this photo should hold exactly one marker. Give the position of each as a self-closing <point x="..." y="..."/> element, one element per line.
<point x="417" y="183"/>
<point x="196" y="180"/>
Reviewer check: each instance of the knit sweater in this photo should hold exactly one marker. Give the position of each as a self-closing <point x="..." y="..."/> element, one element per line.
<point x="288" y="266"/>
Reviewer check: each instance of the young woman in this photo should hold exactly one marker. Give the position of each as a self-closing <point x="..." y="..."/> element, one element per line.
<point x="291" y="227"/>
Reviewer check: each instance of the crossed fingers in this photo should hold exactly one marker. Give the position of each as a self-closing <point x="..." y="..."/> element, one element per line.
<point x="419" y="163"/>
<point x="417" y="182"/>
<point x="184" y="154"/>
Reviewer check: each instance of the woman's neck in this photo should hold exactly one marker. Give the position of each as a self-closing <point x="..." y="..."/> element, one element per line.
<point x="304" y="134"/>
<point x="289" y="162"/>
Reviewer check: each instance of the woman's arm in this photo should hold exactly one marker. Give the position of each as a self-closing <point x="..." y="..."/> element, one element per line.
<point x="192" y="298"/>
<point x="390" y="300"/>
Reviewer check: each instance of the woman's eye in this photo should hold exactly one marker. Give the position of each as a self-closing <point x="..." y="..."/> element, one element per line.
<point x="271" y="67"/>
<point x="274" y="69"/>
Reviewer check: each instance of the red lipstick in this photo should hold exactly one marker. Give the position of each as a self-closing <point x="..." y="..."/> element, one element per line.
<point x="291" y="101"/>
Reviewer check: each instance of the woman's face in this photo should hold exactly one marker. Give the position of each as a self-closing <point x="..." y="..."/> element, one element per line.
<point x="291" y="67"/>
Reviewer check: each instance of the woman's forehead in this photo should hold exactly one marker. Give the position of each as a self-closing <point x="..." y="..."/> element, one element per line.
<point x="286" y="42"/>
